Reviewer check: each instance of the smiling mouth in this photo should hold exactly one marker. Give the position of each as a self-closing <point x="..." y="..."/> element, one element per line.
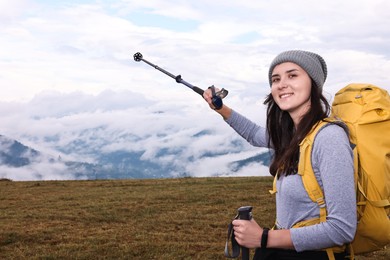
<point x="286" y="95"/>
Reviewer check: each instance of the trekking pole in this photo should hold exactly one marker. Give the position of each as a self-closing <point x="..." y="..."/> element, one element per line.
<point x="245" y="213"/>
<point x="217" y="96"/>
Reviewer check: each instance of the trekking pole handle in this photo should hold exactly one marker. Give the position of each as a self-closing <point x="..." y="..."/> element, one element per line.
<point x="245" y="213"/>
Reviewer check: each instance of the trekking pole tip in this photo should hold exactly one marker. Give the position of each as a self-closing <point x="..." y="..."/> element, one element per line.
<point x="137" y="56"/>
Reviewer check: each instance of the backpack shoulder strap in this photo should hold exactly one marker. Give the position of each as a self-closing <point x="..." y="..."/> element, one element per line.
<point x="305" y="169"/>
<point x="309" y="180"/>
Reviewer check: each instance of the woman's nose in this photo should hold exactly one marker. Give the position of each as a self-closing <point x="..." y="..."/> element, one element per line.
<point x="282" y="83"/>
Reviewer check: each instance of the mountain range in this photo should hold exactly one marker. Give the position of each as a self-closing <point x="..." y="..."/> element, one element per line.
<point x="118" y="164"/>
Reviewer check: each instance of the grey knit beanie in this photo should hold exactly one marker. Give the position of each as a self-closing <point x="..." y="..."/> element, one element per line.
<point x="312" y="63"/>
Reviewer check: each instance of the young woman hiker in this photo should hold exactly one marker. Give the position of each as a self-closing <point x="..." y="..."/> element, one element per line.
<point x="294" y="105"/>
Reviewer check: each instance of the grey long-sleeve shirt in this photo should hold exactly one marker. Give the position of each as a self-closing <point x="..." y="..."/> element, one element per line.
<point x="332" y="162"/>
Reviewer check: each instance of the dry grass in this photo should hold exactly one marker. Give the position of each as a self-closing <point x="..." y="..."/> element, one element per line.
<point x="128" y="219"/>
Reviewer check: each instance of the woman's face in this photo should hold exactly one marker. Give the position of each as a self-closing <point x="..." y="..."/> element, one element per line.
<point x="291" y="88"/>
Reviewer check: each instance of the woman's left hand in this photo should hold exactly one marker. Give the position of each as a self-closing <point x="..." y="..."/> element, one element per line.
<point x="247" y="233"/>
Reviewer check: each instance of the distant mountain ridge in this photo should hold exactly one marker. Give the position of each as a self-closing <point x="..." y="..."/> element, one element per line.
<point x="15" y="154"/>
<point x="112" y="165"/>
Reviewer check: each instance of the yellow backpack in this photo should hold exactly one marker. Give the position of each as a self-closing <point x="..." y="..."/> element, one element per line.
<point x="366" y="111"/>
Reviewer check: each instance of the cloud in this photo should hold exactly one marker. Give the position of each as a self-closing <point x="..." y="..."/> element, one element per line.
<point x="218" y="167"/>
<point x="88" y="46"/>
<point x="37" y="171"/>
<point x="164" y="133"/>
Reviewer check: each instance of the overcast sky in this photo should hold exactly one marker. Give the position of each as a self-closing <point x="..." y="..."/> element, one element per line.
<point x="87" y="45"/>
<point x="68" y="65"/>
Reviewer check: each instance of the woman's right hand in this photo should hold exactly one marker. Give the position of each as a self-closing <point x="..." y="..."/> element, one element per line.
<point x="208" y="96"/>
<point x="224" y="111"/>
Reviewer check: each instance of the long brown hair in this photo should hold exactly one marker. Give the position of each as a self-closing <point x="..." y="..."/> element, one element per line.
<point x="284" y="138"/>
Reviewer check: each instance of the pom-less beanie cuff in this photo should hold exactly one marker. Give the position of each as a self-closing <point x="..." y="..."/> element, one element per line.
<point x="312" y="63"/>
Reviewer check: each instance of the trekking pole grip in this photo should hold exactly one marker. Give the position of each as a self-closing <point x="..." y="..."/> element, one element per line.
<point x="245" y="213"/>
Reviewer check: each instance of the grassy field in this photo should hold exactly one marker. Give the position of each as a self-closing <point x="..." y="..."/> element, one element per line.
<point x="128" y="219"/>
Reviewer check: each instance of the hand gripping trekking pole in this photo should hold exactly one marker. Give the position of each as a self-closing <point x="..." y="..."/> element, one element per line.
<point x="217" y="96"/>
<point x="244" y="213"/>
